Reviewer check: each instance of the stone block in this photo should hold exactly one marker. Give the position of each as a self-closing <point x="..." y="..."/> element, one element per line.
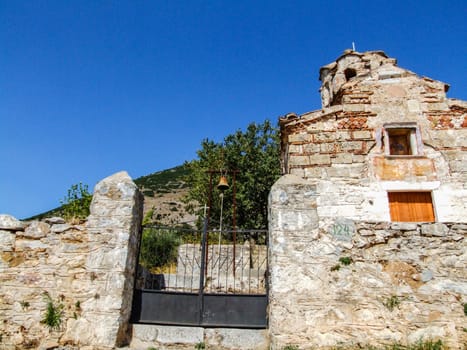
<point x="349" y="146"/>
<point x="342" y="158"/>
<point x="295" y="148"/>
<point x="324" y="137"/>
<point x="10" y="223"/>
<point x="435" y="230"/>
<point x="314" y="172"/>
<point x="36" y="229"/>
<point x="343" y="136"/>
<point x="404" y="226"/>
<point x="319" y="159"/>
<point x="245" y="339"/>
<point x="59" y="228"/>
<point x="346" y="171"/>
<point x="362" y="135"/>
<point x="179" y="335"/>
<point x="327" y="147"/>
<point x="311" y="148"/>
<point x="27" y="244"/>
<point x="299" y="138"/>
<point x="7" y="241"/>
<point x="299" y="160"/>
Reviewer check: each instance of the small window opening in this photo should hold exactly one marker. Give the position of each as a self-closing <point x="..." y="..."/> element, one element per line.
<point x="350" y="73"/>
<point x="411" y="207"/>
<point x="402" y="141"/>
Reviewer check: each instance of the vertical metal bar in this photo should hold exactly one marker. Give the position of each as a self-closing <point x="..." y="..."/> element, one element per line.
<point x="219" y="268"/>
<point x="234" y="218"/>
<point x="193" y="260"/>
<point x="207" y="220"/>
<point x="227" y="267"/>
<point x="201" y="275"/>
<point x="241" y="269"/>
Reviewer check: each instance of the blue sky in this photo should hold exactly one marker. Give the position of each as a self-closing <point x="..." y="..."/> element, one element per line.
<point x="89" y="88"/>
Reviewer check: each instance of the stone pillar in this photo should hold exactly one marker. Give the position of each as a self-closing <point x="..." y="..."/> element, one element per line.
<point x="114" y="233"/>
<point x="293" y="226"/>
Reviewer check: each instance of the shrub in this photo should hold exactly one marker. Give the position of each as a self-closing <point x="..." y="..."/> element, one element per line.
<point x="53" y="313"/>
<point x="392" y="302"/>
<point x="159" y="248"/>
<point x="75" y="206"/>
<point x="345" y="260"/>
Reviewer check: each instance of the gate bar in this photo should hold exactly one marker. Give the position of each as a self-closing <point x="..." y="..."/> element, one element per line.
<point x="201" y="277"/>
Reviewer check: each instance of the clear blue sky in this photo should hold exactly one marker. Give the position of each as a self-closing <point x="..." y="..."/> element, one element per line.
<point x="89" y="88"/>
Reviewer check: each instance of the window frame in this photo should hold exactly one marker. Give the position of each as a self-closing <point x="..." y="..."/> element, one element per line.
<point x="413" y="134"/>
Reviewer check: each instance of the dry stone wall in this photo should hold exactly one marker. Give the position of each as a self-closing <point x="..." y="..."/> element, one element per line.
<point x="404" y="281"/>
<point x="87" y="268"/>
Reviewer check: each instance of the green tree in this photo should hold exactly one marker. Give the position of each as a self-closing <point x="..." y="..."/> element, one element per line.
<point x="255" y="156"/>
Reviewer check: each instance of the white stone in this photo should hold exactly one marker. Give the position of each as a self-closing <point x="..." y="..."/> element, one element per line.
<point x="36" y="229"/>
<point x="180" y="335"/>
<point x="7" y="240"/>
<point x="10" y="223"/>
<point x="59" y="228"/>
<point x="427" y="333"/>
<point x="229" y="338"/>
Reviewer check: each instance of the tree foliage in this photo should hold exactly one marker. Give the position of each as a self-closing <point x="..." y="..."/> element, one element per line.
<point x="254" y="155"/>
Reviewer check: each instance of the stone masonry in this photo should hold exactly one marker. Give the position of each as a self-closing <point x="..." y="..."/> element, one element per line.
<point x="88" y="268"/>
<point x="405" y="281"/>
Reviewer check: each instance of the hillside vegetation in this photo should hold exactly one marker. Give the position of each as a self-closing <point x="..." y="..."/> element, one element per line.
<point x="163" y="192"/>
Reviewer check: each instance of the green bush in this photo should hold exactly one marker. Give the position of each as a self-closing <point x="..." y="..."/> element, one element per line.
<point x="75" y="206"/>
<point x="159" y="247"/>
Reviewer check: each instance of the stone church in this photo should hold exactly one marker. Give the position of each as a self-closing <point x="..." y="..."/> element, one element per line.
<point x="368" y="223"/>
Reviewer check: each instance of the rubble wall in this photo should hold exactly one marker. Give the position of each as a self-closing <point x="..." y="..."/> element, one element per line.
<point x="404" y="281"/>
<point x="87" y="269"/>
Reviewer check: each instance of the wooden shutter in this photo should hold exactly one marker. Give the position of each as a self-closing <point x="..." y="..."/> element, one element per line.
<point x="411" y="206"/>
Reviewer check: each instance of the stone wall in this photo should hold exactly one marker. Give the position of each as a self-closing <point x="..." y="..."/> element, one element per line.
<point x="88" y="268"/>
<point x="405" y="282"/>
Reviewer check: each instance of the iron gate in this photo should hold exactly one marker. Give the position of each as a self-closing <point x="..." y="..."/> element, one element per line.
<point x="203" y="278"/>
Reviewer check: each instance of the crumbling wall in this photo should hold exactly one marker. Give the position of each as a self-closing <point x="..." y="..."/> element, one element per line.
<point x="87" y="268"/>
<point x="344" y="282"/>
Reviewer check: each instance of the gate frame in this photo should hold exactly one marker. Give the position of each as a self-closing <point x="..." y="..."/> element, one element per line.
<point x="201" y="309"/>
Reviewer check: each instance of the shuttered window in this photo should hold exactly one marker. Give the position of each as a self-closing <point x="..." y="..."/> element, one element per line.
<point x="411" y="206"/>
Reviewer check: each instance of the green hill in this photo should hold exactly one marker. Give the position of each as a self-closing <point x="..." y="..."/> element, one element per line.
<point x="165" y="181"/>
<point x="162" y="190"/>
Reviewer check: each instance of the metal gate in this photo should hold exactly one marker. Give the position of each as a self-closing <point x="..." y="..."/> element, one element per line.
<point x="202" y="278"/>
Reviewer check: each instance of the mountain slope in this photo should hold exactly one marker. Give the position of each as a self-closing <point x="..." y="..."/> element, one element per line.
<point x="163" y="192"/>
